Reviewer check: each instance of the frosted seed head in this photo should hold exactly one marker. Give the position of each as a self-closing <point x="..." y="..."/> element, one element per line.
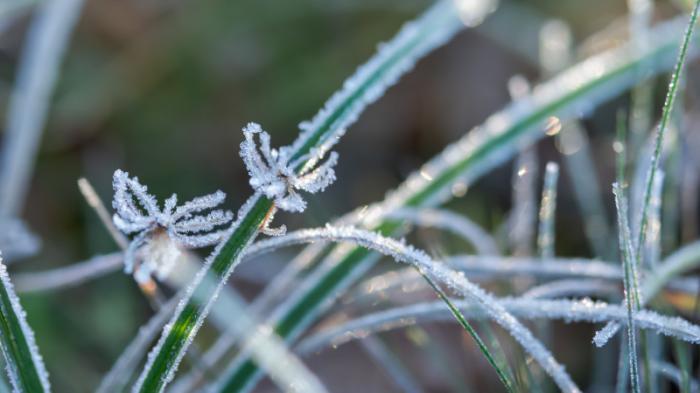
<point x="272" y="174"/>
<point x="160" y="234"/>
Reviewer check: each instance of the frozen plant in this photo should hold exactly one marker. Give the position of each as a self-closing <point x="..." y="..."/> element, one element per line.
<point x="162" y="233"/>
<point x="277" y="174"/>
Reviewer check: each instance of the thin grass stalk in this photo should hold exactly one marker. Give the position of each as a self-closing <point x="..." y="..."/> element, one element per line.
<point x="503" y="376"/>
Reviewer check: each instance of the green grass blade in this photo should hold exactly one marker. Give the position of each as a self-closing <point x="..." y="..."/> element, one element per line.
<point x="577" y="89"/>
<point x="663" y="124"/>
<point x="503" y="375"/>
<point x="394" y="59"/>
<point x="25" y="367"/>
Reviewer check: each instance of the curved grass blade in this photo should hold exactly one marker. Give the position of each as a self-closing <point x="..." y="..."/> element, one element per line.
<point x="24" y="364"/>
<point x="415" y="40"/>
<point x="574" y="91"/>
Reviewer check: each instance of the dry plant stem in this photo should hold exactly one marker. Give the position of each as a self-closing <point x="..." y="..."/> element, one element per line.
<point x="150" y="288"/>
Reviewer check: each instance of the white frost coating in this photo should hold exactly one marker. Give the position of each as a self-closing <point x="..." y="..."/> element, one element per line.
<point x="548" y="206"/>
<point x="12" y="368"/>
<point x="460" y="225"/>
<point x="161" y="232"/>
<point x="273" y="171"/>
<point x="39" y="66"/>
<point x="393" y="59"/>
<point x="457" y="281"/>
<point x="569" y="311"/>
<point x="208" y="293"/>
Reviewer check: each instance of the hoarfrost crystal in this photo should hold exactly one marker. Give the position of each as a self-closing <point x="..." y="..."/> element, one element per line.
<point x="273" y="171"/>
<point x="162" y="233"/>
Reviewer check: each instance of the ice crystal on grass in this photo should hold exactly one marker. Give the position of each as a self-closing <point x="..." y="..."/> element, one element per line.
<point x="161" y="233"/>
<point x="273" y="172"/>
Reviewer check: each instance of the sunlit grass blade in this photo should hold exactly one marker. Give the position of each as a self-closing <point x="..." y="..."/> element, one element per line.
<point x="503" y="375"/>
<point x="578" y="89"/>
<point x="393" y="59"/>
<point x="25" y="367"/>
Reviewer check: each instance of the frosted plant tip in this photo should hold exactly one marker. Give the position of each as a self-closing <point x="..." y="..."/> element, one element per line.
<point x="273" y="172"/>
<point x="160" y="234"/>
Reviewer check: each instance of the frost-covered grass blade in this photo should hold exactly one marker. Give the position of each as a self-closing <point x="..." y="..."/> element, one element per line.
<point x="25" y="367"/>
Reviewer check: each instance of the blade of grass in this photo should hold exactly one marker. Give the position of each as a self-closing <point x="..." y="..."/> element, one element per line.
<point x="575" y="90"/>
<point x="414" y="41"/>
<point x="24" y="364"/>
<point x="503" y="375"/>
